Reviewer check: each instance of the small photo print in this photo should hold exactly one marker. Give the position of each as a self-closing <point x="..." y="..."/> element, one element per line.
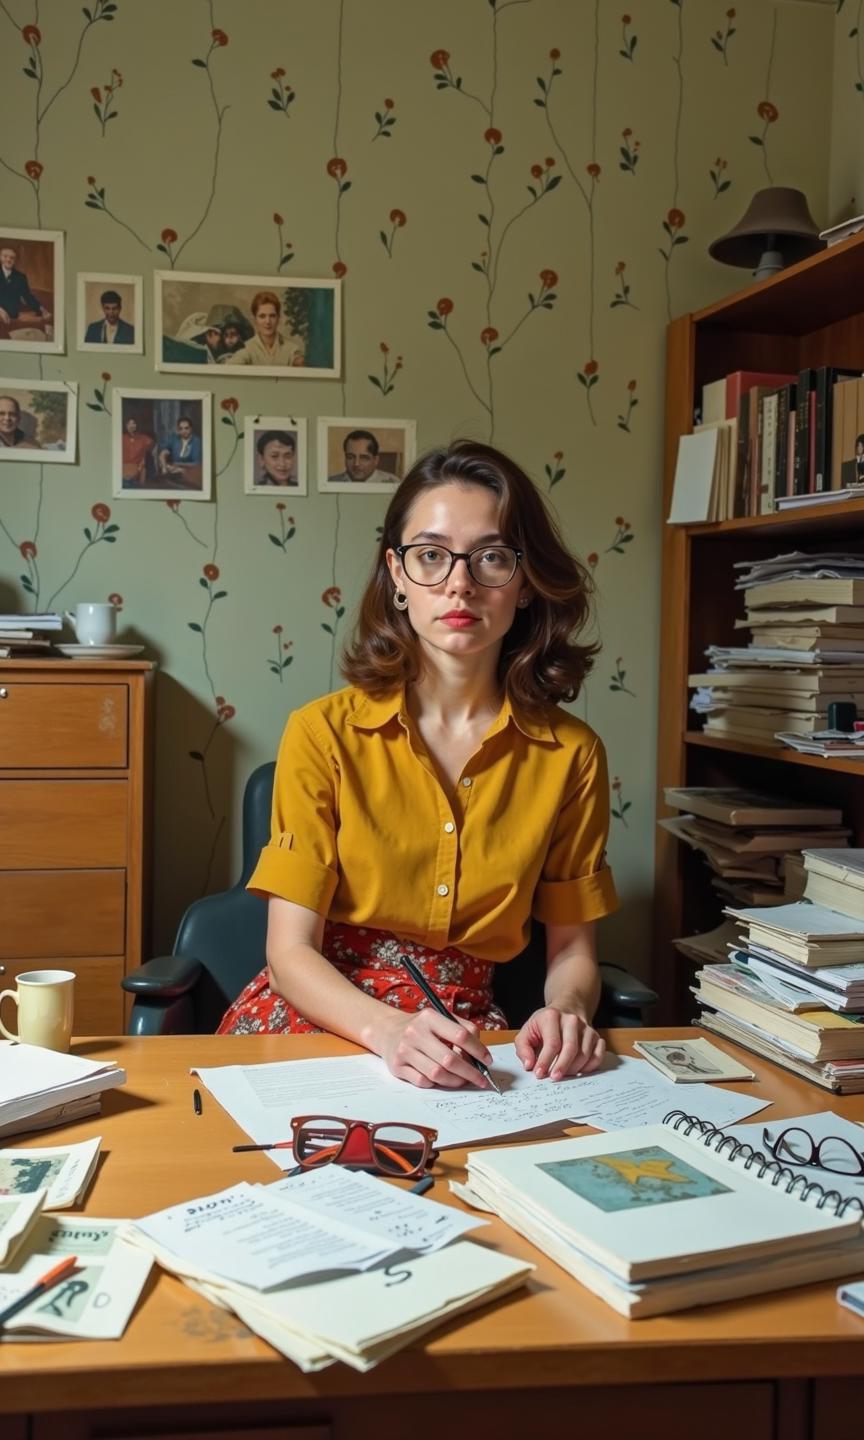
<point x="248" y="324"/>
<point x="162" y="445"/>
<point x="110" y="313"/>
<point x="21" y="1175"/>
<point x="31" y="291"/>
<point x="274" y="454"/>
<point x="633" y="1179"/>
<point x="38" y="420"/>
<point x="364" y="456"/>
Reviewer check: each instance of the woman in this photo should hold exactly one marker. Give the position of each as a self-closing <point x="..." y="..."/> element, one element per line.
<point x="443" y="798"/>
<point x="277" y="456"/>
<point x="267" y="346"/>
<point x="137" y="449"/>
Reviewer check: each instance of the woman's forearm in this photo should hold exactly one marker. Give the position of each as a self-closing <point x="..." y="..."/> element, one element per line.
<point x="572" y="977"/>
<point x="323" y="996"/>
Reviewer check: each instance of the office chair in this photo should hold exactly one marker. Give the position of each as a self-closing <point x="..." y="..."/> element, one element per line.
<point x="221" y="940"/>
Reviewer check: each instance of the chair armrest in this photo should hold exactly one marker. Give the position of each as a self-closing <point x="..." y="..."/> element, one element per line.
<point x="163" y="978"/>
<point x="624" y="990"/>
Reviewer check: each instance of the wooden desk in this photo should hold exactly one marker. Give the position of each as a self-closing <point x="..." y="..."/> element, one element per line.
<point x="551" y="1356"/>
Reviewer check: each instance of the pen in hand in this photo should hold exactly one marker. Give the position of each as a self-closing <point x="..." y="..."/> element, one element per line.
<point x="438" y="1004"/>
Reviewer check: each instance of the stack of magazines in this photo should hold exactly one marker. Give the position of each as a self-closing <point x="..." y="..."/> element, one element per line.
<point x="805" y="614"/>
<point x="27" y="634"/>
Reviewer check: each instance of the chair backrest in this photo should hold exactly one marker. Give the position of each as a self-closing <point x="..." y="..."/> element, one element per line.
<point x="228" y="932"/>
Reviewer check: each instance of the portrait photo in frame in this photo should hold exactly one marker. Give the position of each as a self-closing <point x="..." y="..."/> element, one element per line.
<point x="357" y="456"/>
<point x="32" y="303"/>
<point x="274" y="455"/>
<point x="38" y="420"/>
<point x="110" y="313"/>
<point x="162" y="445"/>
<point x="247" y="325"/>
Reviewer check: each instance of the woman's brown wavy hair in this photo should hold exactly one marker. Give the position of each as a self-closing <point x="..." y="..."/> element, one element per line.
<point x="541" y="659"/>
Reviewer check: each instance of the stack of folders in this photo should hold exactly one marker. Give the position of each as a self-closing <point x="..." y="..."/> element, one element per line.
<point x="745" y="837"/>
<point x="665" y="1217"/>
<point x="40" y="1088"/>
<point x="793" y="991"/>
<point x="805" y="614"/>
<point x="329" y="1265"/>
<point x="27" y="634"/>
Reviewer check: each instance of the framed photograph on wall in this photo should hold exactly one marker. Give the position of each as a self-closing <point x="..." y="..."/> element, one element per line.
<point x="248" y="325"/>
<point x="38" y="420"/>
<point x="110" y="313"/>
<point x="364" y="456"/>
<point x="274" y="455"/>
<point x="161" y="445"/>
<point x="31" y="291"/>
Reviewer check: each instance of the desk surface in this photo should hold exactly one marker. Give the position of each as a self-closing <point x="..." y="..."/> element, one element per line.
<point x="156" y="1152"/>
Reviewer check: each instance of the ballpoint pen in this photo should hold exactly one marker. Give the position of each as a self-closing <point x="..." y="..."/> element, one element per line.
<point x="435" y="1000"/>
<point x="51" y="1277"/>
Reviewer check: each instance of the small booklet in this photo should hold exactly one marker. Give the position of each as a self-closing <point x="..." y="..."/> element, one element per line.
<point x="688" y="1061"/>
<point x="62" y="1171"/>
<point x="18" y="1215"/>
<point x="852" y="1296"/>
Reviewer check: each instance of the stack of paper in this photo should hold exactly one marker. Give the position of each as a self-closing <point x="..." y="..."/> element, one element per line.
<point x="840" y="885"/>
<point x="329" y="1265"/>
<point x="652" y="1220"/>
<point x="27" y="634"/>
<point x="40" y="1087"/>
<point x="95" y="1301"/>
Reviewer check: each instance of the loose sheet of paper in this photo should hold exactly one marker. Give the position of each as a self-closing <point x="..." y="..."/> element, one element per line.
<point x="632" y="1092"/>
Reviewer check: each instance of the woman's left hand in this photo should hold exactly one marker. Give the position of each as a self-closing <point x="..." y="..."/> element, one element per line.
<point x="557" y="1043"/>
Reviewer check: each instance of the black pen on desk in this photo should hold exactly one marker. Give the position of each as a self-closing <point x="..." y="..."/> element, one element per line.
<point x="196" y="1102"/>
<point x="45" y="1282"/>
<point x="421" y="1186"/>
<point x="435" y="1000"/>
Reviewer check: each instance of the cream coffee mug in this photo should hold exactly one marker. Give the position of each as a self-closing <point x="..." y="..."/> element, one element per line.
<point x="44" y="1000"/>
<point x="93" y="624"/>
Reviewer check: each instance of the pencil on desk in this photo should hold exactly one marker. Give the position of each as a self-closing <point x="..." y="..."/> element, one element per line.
<point x="438" y="1004"/>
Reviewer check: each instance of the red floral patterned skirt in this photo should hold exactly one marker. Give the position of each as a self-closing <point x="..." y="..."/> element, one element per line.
<point x="370" y="959"/>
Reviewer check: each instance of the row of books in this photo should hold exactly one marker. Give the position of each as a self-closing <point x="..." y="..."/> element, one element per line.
<point x="791" y="986"/>
<point x="27" y="634"/>
<point x="805" y="614"/>
<point x="788" y="436"/>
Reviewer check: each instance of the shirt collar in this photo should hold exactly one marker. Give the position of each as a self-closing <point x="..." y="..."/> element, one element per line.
<point x="373" y="713"/>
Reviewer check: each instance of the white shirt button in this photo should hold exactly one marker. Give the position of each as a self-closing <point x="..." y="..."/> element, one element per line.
<point x="449" y="827"/>
<point x="467" y="781"/>
<point x="443" y="889"/>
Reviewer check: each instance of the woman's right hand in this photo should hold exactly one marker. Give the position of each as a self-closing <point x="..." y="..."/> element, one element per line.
<point x="421" y="1047"/>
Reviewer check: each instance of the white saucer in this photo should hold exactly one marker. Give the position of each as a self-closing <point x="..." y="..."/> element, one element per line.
<point x="100" y="652"/>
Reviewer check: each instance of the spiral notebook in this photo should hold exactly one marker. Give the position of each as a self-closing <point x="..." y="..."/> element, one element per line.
<point x="663" y="1217"/>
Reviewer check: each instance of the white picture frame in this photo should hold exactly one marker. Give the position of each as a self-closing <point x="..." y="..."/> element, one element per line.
<point x="91" y="287"/>
<point x="49" y="430"/>
<point x="396" y="442"/>
<point x="39" y="268"/>
<point x="190" y="307"/>
<point x="141" y="472"/>
<point x="266" y="440"/>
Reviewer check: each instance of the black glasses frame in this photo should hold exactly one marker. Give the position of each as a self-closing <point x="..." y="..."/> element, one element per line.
<point x="465" y="555"/>
<point x="775" y="1148"/>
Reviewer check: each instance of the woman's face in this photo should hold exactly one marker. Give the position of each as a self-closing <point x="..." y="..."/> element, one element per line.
<point x="266" y="320"/>
<point x="458" y="617"/>
<point x="277" y="461"/>
<point x="131" y="427"/>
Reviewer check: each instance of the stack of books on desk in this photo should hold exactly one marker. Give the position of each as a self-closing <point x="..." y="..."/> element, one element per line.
<point x="664" y="1217"/>
<point x="27" y="634"/>
<point x="745" y="836"/>
<point x="793" y="991"/>
<point x="806" y="618"/>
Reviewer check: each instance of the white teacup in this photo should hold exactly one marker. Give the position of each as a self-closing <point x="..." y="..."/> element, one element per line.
<point x="93" y="624"/>
<point x="45" y="1004"/>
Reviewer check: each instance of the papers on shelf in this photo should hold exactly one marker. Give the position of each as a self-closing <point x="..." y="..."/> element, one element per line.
<point x="62" y="1171"/>
<point x="825" y="742"/>
<point x="694" y="477"/>
<point x="799" y="565"/>
<point x="95" y="1301"/>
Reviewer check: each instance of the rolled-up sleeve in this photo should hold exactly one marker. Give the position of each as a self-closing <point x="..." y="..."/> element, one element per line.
<point x="576" y="883"/>
<point x="299" y="863"/>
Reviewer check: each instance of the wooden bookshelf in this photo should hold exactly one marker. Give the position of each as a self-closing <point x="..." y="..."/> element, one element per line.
<point x="809" y="314"/>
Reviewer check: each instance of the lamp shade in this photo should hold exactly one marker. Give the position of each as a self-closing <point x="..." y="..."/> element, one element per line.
<point x="779" y="214"/>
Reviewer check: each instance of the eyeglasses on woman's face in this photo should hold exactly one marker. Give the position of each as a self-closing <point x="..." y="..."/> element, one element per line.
<point x="389" y="1149"/>
<point x="489" y="565"/>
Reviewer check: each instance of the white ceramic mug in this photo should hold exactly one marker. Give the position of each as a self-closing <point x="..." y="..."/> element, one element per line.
<point x="45" y="1003"/>
<point x="93" y="624"/>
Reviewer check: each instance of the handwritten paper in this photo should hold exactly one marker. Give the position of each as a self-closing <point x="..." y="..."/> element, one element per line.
<point x="631" y="1092"/>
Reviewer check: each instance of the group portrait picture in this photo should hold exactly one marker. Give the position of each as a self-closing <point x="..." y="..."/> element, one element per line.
<point x="110" y="313"/>
<point x="38" y="420"/>
<point x="31" y="291"/>
<point x="162" y="445"/>
<point x="247" y="324"/>
<point x="275" y="454"/>
<point x="371" y="456"/>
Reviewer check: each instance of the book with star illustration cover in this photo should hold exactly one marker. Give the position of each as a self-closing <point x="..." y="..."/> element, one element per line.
<point x="659" y="1218"/>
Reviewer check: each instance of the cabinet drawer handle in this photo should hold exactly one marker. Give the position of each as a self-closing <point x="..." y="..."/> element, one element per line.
<point x="4" y="693"/>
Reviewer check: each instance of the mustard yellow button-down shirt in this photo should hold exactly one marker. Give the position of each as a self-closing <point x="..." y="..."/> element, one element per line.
<point x="364" y="833"/>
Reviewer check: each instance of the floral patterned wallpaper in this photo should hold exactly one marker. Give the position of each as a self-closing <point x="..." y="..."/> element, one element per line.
<point x="518" y="195"/>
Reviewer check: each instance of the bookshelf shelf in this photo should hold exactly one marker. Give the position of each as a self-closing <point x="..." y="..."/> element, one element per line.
<point x="811" y="314"/>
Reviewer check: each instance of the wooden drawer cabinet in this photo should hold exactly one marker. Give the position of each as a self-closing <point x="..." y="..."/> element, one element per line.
<point x="74" y="819"/>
